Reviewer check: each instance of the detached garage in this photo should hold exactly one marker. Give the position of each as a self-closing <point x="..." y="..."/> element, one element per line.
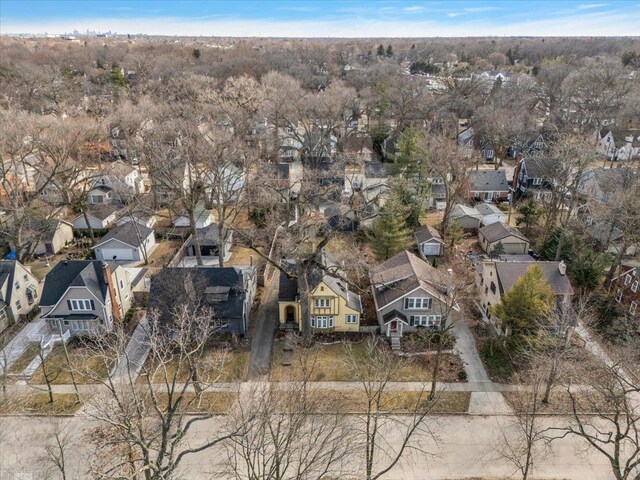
<point x="126" y="243"/>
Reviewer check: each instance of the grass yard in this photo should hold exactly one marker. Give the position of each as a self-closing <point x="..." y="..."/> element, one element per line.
<point x="218" y="366"/>
<point x="25" y="359"/>
<point x="559" y="402"/>
<point x="87" y="366"/>
<point x="354" y="402"/>
<point x="328" y="363"/>
<point x="63" y="403"/>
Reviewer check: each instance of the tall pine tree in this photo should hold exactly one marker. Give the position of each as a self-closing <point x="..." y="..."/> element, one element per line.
<point x="390" y="232"/>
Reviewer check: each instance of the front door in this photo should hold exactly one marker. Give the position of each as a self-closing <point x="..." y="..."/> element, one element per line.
<point x="49" y="248"/>
<point x="393" y="326"/>
<point x="290" y="314"/>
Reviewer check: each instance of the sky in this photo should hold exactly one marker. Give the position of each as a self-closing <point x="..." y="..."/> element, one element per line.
<point x="325" y="18"/>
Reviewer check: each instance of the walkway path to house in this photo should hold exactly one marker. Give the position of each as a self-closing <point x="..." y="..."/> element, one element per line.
<point x="135" y="354"/>
<point x="16" y="347"/>
<point x="264" y="329"/>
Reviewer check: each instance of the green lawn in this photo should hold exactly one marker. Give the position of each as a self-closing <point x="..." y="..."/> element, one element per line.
<point x="498" y="365"/>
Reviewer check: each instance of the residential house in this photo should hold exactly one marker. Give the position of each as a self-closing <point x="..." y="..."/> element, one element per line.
<point x="332" y="306"/>
<point x="625" y="288"/>
<point x="58" y="234"/>
<point x="85" y="297"/>
<point x="487" y="151"/>
<point x="126" y="243"/>
<point x="497" y="278"/>
<point x="465" y="142"/>
<point x="140" y="216"/>
<point x="358" y="148"/>
<point x="605" y="143"/>
<point x="409" y="293"/>
<point x="376" y="182"/>
<point x="429" y="241"/>
<point x="437" y="193"/>
<point x="210" y="248"/>
<point x="490" y="213"/>
<point x="101" y="195"/>
<point x="618" y="145"/>
<point x="100" y="217"/>
<point x="536" y="146"/>
<point x="535" y="177"/>
<point x="488" y="185"/>
<point x="19" y="292"/>
<point x="467" y="217"/>
<point x="224" y="294"/>
<point x="124" y="179"/>
<point x="513" y="242"/>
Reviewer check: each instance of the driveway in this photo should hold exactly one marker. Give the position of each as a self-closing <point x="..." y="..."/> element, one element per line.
<point x="135" y="353"/>
<point x="20" y="342"/>
<point x="264" y="330"/>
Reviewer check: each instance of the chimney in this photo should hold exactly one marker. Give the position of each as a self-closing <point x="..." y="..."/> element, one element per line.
<point x="562" y="267"/>
<point x="106" y="272"/>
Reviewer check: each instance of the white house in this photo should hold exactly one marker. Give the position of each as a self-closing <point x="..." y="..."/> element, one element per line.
<point x="429" y="241"/>
<point x="100" y="217"/>
<point x="128" y="242"/>
<point x="59" y="233"/>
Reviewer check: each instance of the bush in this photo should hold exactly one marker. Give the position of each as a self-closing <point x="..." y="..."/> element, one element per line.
<point x="462" y="375"/>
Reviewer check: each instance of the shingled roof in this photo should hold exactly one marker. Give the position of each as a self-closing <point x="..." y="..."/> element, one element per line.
<point x="73" y="273"/>
<point x="402" y="274"/>
<point x="497" y="231"/>
<point x="427" y="233"/>
<point x="510" y="272"/>
<point x="488" y="181"/>
<point x="130" y="233"/>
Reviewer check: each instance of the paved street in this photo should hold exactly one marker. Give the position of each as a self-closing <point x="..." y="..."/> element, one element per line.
<point x="264" y="329"/>
<point x="466" y="447"/>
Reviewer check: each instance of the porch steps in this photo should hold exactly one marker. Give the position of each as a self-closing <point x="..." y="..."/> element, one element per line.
<point x="395" y="344"/>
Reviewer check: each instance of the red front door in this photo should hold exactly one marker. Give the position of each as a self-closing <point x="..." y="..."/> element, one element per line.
<point x="393" y="325"/>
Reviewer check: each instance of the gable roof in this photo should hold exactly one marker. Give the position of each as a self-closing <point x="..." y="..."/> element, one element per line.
<point x="488" y="209"/>
<point x="126" y="233"/>
<point x="459" y="211"/>
<point x="497" y="231"/>
<point x="100" y="211"/>
<point x="402" y="274"/>
<point x="427" y="233"/>
<point x="221" y="289"/>
<point x="488" y="181"/>
<point x="73" y="273"/>
<point x="7" y="272"/>
<point x="510" y="272"/>
<point x="539" y="167"/>
<point x="288" y="291"/>
<point x="357" y="143"/>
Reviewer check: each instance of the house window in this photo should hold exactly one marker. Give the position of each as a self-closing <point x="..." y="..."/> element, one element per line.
<point x="493" y="288"/>
<point x="627" y="279"/>
<point x="3" y="314"/>
<point x="417" y="303"/>
<point x="25" y="278"/>
<point x="632" y="308"/>
<point x="488" y="195"/>
<point x="351" y="318"/>
<point x="321" y="322"/>
<point x="322" y="302"/>
<point x="17" y="285"/>
<point x="425" y="320"/>
<point x="537" y="181"/>
<point x="121" y="284"/>
<point x="18" y="304"/>
<point x="618" y="295"/>
<point x="80" y="304"/>
<point x="634" y="286"/>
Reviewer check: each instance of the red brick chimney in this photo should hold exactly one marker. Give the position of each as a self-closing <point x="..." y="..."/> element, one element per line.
<point x="115" y="310"/>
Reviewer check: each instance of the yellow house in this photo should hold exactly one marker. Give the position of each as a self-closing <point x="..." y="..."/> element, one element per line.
<point x="332" y="306"/>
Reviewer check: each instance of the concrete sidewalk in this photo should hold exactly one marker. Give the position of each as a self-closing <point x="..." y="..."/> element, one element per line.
<point x="16" y="347"/>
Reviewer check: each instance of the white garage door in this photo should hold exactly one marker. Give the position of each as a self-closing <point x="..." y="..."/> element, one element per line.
<point x="431" y="249"/>
<point x="118" y="253"/>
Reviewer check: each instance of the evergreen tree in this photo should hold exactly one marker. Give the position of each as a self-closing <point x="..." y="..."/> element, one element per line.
<point x="527" y="303"/>
<point x="117" y="76"/>
<point x="390" y="233"/>
<point x="454" y="235"/>
<point x="528" y="215"/>
<point x="380" y="51"/>
<point x="196" y="53"/>
<point x="389" y="51"/>
<point x="497" y="250"/>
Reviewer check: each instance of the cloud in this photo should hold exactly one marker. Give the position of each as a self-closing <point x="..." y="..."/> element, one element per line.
<point x="468" y="10"/>
<point x="413" y="8"/>
<point x="589" y="6"/>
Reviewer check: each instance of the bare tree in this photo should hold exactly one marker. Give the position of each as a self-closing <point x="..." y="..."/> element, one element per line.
<point x="375" y="369"/>
<point x="287" y="432"/>
<point x="145" y="424"/>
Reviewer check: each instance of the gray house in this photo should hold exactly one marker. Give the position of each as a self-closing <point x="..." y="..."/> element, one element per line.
<point x="429" y="241"/>
<point x="488" y="185"/>
<point x="467" y="217"/>
<point x="19" y="291"/>
<point x="409" y="293"/>
<point x="226" y="294"/>
<point x="85" y="296"/>
<point x="99" y="216"/>
<point x="210" y="247"/>
<point x="128" y="242"/>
